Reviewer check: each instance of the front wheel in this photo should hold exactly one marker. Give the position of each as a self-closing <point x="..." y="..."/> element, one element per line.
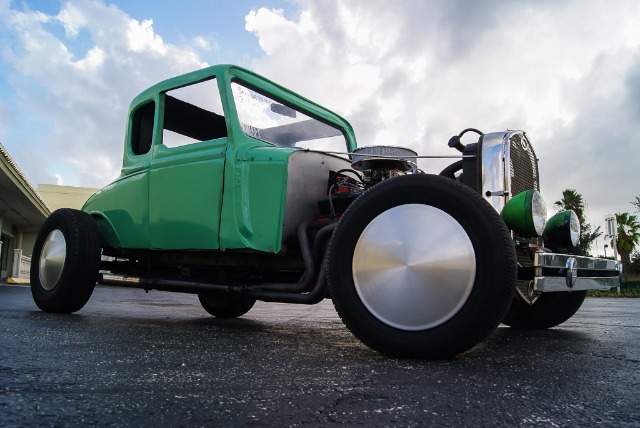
<point x="549" y="310"/>
<point x="65" y="261"/>
<point x="421" y="266"/>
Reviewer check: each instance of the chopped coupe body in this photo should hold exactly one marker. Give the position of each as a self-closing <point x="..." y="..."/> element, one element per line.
<point x="237" y="189"/>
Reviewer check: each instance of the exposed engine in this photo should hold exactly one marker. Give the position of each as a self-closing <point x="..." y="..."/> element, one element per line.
<point x="371" y="165"/>
<point x="379" y="163"/>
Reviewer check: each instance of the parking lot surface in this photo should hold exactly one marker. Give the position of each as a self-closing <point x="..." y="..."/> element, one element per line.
<point x="131" y="358"/>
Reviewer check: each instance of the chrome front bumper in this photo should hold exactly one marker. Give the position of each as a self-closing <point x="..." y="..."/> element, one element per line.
<point x="563" y="272"/>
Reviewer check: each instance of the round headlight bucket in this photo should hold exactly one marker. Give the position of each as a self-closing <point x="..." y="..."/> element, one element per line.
<point x="562" y="231"/>
<point x="526" y="214"/>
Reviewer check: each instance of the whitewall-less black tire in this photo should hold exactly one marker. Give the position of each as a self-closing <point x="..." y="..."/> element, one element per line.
<point x="421" y="266"/>
<point x="226" y="306"/>
<point x="65" y="261"/>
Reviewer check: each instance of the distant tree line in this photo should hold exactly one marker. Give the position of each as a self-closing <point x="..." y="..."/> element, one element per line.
<point x="631" y="236"/>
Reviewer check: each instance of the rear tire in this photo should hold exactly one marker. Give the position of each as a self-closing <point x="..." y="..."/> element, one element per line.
<point x="226" y="306"/>
<point x="421" y="266"/>
<point x="65" y="261"/>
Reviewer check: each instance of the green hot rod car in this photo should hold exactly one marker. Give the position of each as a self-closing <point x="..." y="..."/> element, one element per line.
<point x="237" y="189"/>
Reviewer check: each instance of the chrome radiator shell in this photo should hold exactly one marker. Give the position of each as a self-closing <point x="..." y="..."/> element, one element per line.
<point x="508" y="166"/>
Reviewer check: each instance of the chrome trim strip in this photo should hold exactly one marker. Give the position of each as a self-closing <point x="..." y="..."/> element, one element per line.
<point x="552" y="284"/>
<point x="553" y="260"/>
<point x="571" y="266"/>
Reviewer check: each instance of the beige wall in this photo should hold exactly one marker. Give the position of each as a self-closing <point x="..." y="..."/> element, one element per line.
<point x="64" y="196"/>
<point x="20" y="236"/>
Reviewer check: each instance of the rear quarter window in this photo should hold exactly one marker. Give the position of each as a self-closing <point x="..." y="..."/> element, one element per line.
<point x="142" y="128"/>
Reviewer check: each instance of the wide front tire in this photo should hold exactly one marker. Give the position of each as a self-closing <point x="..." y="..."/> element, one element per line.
<point x="226" y="306"/>
<point x="550" y="310"/>
<point x="421" y="266"/>
<point x="65" y="261"/>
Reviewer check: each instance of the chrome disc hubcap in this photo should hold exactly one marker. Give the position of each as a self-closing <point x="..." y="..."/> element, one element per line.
<point x="54" y="253"/>
<point x="414" y="267"/>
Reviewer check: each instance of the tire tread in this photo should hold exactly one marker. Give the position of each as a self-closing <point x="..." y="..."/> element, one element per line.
<point x="437" y="344"/>
<point x="82" y="262"/>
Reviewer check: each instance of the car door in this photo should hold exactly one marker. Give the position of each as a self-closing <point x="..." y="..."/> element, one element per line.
<point x="186" y="174"/>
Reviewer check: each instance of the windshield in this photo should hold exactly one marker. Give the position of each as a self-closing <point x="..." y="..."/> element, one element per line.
<point x="266" y="119"/>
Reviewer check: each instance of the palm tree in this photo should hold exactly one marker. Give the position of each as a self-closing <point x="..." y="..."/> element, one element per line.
<point x="628" y="235"/>
<point x="636" y="203"/>
<point x="572" y="200"/>
<point x="587" y="237"/>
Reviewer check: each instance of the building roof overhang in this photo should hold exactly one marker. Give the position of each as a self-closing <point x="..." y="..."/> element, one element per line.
<point x="20" y="204"/>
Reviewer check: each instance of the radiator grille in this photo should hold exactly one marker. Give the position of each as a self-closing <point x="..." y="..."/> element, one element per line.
<point x="523" y="165"/>
<point x="523" y="172"/>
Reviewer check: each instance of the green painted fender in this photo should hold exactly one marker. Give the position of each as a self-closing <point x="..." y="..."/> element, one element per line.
<point x="108" y="233"/>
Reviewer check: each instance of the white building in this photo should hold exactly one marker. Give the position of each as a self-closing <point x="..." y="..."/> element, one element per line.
<point x="22" y="212"/>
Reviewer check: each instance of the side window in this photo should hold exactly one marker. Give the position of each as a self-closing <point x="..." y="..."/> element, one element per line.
<point x="142" y="128"/>
<point x="193" y="114"/>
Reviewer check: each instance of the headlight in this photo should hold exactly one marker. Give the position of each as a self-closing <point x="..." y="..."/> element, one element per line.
<point x="562" y="231"/>
<point x="526" y="214"/>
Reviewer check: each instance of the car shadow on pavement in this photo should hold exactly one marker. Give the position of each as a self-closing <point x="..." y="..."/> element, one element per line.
<point x="303" y="335"/>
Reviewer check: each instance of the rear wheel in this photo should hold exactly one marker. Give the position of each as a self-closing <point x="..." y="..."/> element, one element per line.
<point x="421" y="266"/>
<point x="226" y="306"/>
<point x="65" y="261"/>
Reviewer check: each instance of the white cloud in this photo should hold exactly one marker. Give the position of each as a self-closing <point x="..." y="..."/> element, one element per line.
<point x="205" y="44"/>
<point x="72" y="20"/>
<point x="92" y="61"/>
<point x="414" y="73"/>
<point x="408" y="72"/>
<point x="141" y="37"/>
<point x="78" y="101"/>
<point x="59" y="179"/>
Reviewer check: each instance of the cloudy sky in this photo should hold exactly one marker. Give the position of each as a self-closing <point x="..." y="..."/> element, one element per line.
<point x="405" y="72"/>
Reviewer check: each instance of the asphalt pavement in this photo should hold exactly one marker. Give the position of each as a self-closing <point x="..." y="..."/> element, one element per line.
<point x="131" y="358"/>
